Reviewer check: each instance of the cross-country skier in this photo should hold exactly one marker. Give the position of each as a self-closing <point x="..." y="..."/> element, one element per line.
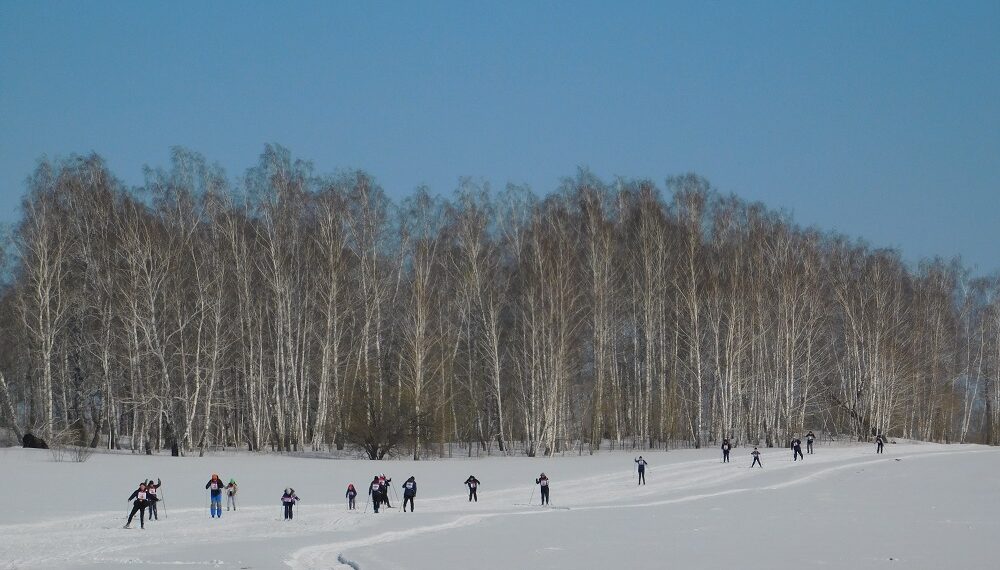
<point x="543" y="483"/>
<point x="879" y="441"/>
<point x="797" y="449"/>
<point x="140" y="501"/>
<point x="288" y="500"/>
<point x="409" y="491"/>
<point x="725" y="450"/>
<point x="384" y="482"/>
<point x="810" y="437"/>
<point x="215" y="487"/>
<point x="351" y="493"/>
<point x="231" y="490"/>
<point x="756" y="458"/>
<point x="152" y="495"/>
<point x="473" y="484"/>
<point x="642" y="469"/>
<point x="375" y="491"/>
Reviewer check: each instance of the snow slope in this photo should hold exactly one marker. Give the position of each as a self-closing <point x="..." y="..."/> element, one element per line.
<point x="917" y="506"/>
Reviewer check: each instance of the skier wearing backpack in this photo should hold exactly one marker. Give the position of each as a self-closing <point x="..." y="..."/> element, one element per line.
<point x="351" y="493"/>
<point x="288" y="500"/>
<point x="756" y="458"/>
<point x="409" y="491"/>
<point x="231" y="489"/>
<point x="725" y="450"/>
<point x="153" y="498"/>
<point x="375" y="491"/>
<point x="880" y="442"/>
<point x="797" y="449"/>
<point x="215" y="487"/>
<point x="810" y="437"/>
<point x="642" y="469"/>
<point x="473" y="484"/>
<point x="543" y="484"/>
<point x="140" y="500"/>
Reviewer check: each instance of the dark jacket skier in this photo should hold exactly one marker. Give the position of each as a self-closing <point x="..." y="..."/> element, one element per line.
<point x="543" y="483"/>
<point x="797" y="449"/>
<point x="351" y="493"/>
<point x="409" y="491"/>
<point x="384" y="482"/>
<point x="288" y="500"/>
<point x="642" y="469"/>
<point x="140" y="500"/>
<point x="473" y="484"/>
<point x="810" y="437"/>
<point x="375" y="491"/>
<point x="880" y="442"/>
<point x="756" y="458"/>
<point x="215" y="487"/>
<point x="152" y="495"/>
<point x="725" y="450"/>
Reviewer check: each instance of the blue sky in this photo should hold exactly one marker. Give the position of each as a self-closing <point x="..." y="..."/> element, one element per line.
<point x="876" y="119"/>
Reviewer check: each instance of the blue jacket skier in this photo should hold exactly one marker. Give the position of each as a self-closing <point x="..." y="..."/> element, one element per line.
<point x="797" y="449"/>
<point x="375" y="491"/>
<point x="409" y="491"/>
<point x="288" y="500"/>
<point x="810" y="437"/>
<point x="726" y="447"/>
<point x="543" y="483"/>
<point x="642" y="469"/>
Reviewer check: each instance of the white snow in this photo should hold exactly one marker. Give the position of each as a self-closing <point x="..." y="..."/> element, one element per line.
<point x="918" y="506"/>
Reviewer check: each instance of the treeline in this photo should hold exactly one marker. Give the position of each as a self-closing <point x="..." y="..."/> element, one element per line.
<point x="290" y="310"/>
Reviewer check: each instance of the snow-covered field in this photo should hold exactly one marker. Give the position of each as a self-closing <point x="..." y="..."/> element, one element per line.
<point x="918" y="506"/>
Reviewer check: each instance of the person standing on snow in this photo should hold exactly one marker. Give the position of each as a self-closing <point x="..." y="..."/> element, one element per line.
<point x="409" y="491"/>
<point x="756" y="458"/>
<point x="231" y="489"/>
<point x="153" y="498"/>
<point x="288" y="500"/>
<point x="642" y="469"/>
<point x="880" y="442"/>
<point x="473" y="484"/>
<point x="797" y="449"/>
<point x="351" y="493"/>
<point x="384" y="483"/>
<point x="375" y="491"/>
<point x="140" y="501"/>
<point x="725" y="450"/>
<point x="215" y="486"/>
<point x="810" y="437"/>
<point x="543" y="483"/>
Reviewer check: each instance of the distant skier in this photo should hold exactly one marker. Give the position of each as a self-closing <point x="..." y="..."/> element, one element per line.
<point x="384" y="483"/>
<point x="152" y="495"/>
<point x="215" y="487"/>
<point x="409" y="491"/>
<point x="140" y="500"/>
<point x="725" y="450"/>
<point x="351" y="493"/>
<point x="810" y="437"/>
<point x="642" y="469"/>
<point x="288" y="500"/>
<point x="880" y="442"/>
<point x="756" y="458"/>
<point x="231" y="490"/>
<point x="473" y="484"/>
<point x="543" y="483"/>
<point x="797" y="449"/>
<point x="375" y="492"/>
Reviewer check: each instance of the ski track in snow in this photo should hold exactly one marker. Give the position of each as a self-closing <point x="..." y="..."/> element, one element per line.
<point x="681" y="478"/>
<point x="98" y="539"/>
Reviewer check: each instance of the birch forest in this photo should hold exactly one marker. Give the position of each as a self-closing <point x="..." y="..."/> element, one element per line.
<point x="289" y="310"/>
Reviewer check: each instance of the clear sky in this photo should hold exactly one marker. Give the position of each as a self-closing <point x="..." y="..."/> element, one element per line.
<point x="876" y="119"/>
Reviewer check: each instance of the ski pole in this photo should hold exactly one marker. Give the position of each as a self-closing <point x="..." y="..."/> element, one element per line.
<point x="532" y="497"/>
<point x="164" y="501"/>
<point x="368" y="500"/>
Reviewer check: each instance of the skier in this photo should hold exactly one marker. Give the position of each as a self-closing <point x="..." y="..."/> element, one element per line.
<point x="383" y="483"/>
<point x="797" y="449"/>
<point x="543" y="483"/>
<point x="140" y="501"/>
<point x="288" y="500"/>
<point x="409" y="491"/>
<point x="153" y="498"/>
<point x="375" y="491"/>
<point x="214" y="486"/>
<point x="231" y="489"/>
<point x="879" y="441"/>
<point x="473" y="484"/>
<point x="642" y="469"/>
<point x="351" y="493"/>
<point x="725" y="450"/>
<point x="809" y="442"/>
<point x="756" y="458"/>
